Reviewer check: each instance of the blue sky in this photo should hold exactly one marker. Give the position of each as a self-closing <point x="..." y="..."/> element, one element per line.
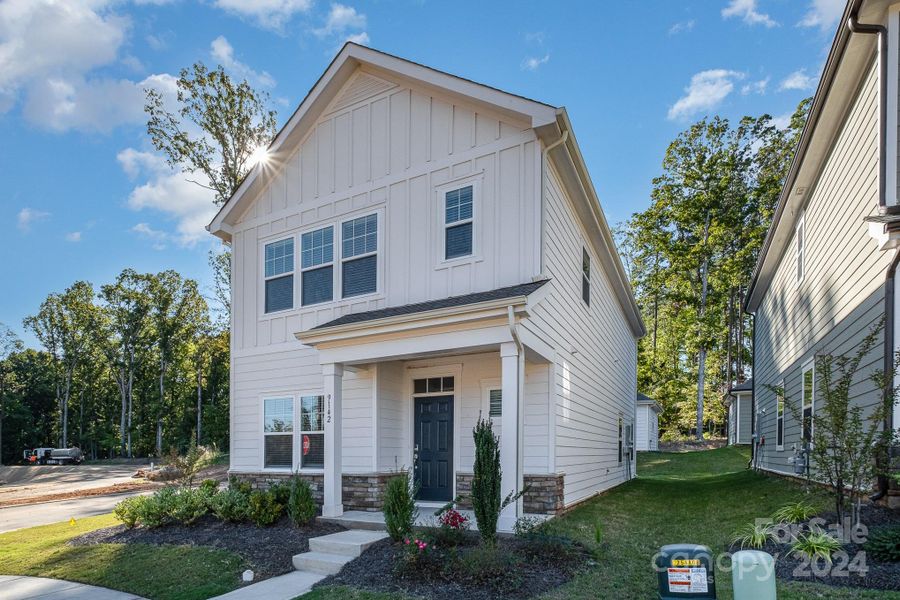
<point x="84" y="196"/>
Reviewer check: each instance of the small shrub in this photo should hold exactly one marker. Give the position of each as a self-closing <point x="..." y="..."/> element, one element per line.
<point x="231" y="506"/>
<point x="263" y="509"/>
<point x="156" y="511"/>
<point x="129" y="510"/>
<point x="491" y="566"/>
<point x="300" y="505"/>
<point x="192" y="462"/>
<point x="399" y="506"/>
<point x="526" y="525"/>
<point x="816" y="544"/>
<point x="884" y="544"/>
<point x="281" y="491"/>
<point x="209" y="486"/>
<point x="452" y="527"/>
<point x="754" y="535"/>
<point x="188" y="505"/>
<point x="795" y="512"/>
<point x="240" y="485"/>
<point x="486" y="478"/>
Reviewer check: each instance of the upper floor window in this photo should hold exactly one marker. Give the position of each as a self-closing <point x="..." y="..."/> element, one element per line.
<point x="279" y="275"/>
<point x="779" y="418"/>
<point x="459" y="217"/>
<point x="800" y="248"/>
<point x="359" y="256"/>
<point x="585" y="276"/>
<point x="278" y="431"/>
<point x="317" y="266"/>
<point x="808" y="395"/>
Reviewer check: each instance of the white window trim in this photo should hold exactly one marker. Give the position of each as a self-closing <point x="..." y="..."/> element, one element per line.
<point x="800" y="253"/>
<point x="339" y="291"/>
<point x="262" y="270"/>
<point x="779" y="416"/>
<point x="299" y="434"/>
<point x="301" y="270"/>
<point x="262" y="429"/>
<point x="808" y="366"/>
<point x="487" y="386"/>
<point x="440" y="191"/>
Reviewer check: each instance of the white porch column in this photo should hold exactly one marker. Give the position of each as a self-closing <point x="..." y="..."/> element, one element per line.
<point x="333" y="375"/>
<point x="509" y="438"/>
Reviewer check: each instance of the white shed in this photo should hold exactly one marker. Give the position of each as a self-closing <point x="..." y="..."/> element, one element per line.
<point x="647" y="425"/>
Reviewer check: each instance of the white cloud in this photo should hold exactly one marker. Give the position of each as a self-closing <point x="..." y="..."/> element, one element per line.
<point x="28" y="217"/>
<point x="798" y="80"/>
<point x="747" y="11"/>
<point x="361" y="38"/>
<point x="340" y="19"/>
<point x="272" y="14"/>
<point x="158" y="238"/>
<point x="532" y="63"/>
<point x="756" y="87"/>
<point x="536" y="37"/>
<point x="171" y="193"/>
<point x="159" y="41"/>
<point x="823" y="13"/>
<point x="782" y="121"/>
<point x="73" y="236"/>
<point x="706" y="90"/>
<point x="223" y="52"/>
<point x="682" y="27"/>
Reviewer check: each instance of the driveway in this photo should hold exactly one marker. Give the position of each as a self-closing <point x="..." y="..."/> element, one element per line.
<point x="31" y="515"/>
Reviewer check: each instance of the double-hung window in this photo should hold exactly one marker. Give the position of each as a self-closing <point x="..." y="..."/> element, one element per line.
<point x="279" y="275"/>
<point x="585" y="276"/>
<point x="779" y="418"/>
<point x="800" y="248"/>
<point x="808" y="396"/>
<point x="459" y="221"/>
<point x="317" y="266"/>
<point x="312" y="432"/>
<point x="278" y="431"/>
<point x="359" y="256"/>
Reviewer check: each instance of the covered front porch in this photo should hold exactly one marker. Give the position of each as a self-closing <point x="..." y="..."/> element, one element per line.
<point x="404" y="391"/>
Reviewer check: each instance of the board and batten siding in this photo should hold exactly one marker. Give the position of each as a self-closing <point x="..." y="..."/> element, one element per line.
<point x="594" y="377"/>
<point x="840" y="299"/>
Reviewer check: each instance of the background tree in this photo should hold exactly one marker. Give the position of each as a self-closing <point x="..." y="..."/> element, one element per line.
<point x="9" y="344"/>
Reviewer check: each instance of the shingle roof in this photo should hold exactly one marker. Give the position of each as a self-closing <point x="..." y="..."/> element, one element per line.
<point x="512" y="291"/>
<point x="746" y="386"/>
<point x="641" y="398"/>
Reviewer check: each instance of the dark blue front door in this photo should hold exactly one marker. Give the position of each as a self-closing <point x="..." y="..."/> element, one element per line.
<point x="434" y="447"/>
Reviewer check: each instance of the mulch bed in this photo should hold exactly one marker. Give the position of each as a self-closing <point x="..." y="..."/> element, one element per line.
<point x="266" y="550"/>
<point x="444" y="579"/>
<point x="843" y="572"/>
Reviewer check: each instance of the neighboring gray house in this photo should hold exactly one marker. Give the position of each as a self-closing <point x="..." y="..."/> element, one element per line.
<point x="739" y="401"/>
<point x="419" y="250"/>
<point x="825" y="277"/>
<point x="646" y="424"/>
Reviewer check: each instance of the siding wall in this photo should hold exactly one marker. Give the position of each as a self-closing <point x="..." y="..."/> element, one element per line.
<point x="595" y="378"/>
<point x="744" y="418"/>
<point x="642" y="428"/>
<point x="840" y="298"/>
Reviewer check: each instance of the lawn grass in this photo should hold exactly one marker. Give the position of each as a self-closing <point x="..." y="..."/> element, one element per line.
<point x="695" y="497"/>
<point x="156" y="572"/>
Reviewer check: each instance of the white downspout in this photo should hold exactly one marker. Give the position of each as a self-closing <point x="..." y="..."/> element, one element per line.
<point x="520" y="402"/>
<point x="544" y="154"/>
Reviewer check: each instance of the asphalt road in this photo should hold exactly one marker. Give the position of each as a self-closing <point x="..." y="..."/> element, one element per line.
<point x="31" y="515"/>
<point x="34" y="481"/>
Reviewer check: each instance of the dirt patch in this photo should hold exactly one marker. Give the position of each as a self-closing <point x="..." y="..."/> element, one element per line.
<point x="266" y="550"/>
<point x="529" y="573"/>
<point x="692" y="445"/>
<point x="119" y="488"/>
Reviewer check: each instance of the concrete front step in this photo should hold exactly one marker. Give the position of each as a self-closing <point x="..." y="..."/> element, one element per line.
<point x="320" y="562"/>
<point x="346" y="543"/>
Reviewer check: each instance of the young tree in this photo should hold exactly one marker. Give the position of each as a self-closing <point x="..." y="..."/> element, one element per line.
<point x="9" y="344"/>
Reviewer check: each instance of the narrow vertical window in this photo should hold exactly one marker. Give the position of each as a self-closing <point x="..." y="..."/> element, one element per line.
<point x="585" y="276"/>
<point x="312" y="432"/>
<point x="808" y="403"/>
<point x="459" y="217"/>
<point x="800" y="248"/>
<point x="279" y="275"/>
<point x="621" y="439"/>
<point x="495" y="401"/>
<point x="317" y="266"/>
<point x="278" y="431"/>
<point x="779" y="432"/>
<point x="359" y="256"/>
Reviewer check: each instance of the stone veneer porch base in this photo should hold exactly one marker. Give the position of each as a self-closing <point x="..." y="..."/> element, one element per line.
<point x="543" y="493"/>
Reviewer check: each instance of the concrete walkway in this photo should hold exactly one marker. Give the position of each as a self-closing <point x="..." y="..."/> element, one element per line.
<point x="41" y="588"/>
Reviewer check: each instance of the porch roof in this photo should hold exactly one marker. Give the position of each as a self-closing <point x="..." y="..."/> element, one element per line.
<point x="513" y="291"/>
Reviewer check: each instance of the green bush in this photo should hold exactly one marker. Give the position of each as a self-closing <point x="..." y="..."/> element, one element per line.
<point x="526" y="525"/>
<point x="492" y="566"/>
<point x="157" y="509"/>
<point x="486" y="478"/>
<point x="399" y="506"/>
<point x="129" y="510"/>
<point x="884" y="544"/>
<point x="301" y="507"/>
<point x="231" y="506"/>
<point x="189" y="505"/>
<point x="795" y="512"/>
<point x="753" y="535"/>
<point x="240" y="485"/>
<point x="817" y="544"/>
<point x="263" y="508"/>
<point x="209" y="486"/>
<point x="281" y="491"/>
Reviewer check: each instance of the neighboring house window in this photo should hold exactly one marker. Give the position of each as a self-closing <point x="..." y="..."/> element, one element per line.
<point x="495" y="402"/>
<point x="312" y="432"/>
<point x="459" y="216"/>
<point x="585" y="276"/>
<point x="800" y="248"/>
<point x="279" y="275"/>
<point x="317" y="266"/>
<point x="359" y="258"/>
<point x="278" y="431"/>
<point x="779" y="433"/>
<point x="621" y="438"/>
<point x="808" y="395"/>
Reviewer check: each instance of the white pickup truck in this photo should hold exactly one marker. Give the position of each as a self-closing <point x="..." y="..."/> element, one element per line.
<point x="53" y="456"/>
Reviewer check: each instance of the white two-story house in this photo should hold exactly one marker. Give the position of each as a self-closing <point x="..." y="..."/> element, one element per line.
<point x="419" y="250"/>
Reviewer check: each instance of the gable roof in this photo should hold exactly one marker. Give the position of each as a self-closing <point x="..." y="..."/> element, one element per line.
<point x="746" y="386"/>
<point x="643" y="400"/>
<point x="841" y="77"/>
<point x="551" y="125"/>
